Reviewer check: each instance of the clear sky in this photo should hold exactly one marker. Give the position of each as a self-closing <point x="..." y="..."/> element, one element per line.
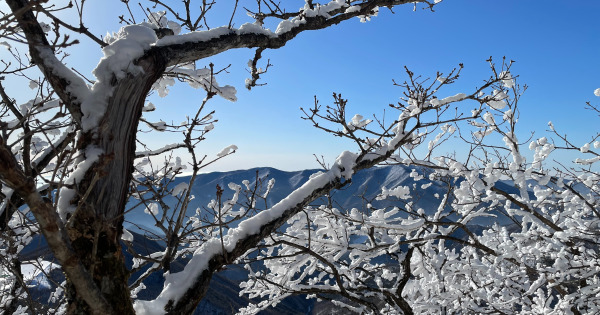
<point x="555" y="44"/>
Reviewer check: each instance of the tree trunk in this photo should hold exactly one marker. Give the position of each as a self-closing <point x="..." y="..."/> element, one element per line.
<point x="96" y="227"/>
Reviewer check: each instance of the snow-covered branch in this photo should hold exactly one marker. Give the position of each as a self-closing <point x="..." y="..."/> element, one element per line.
<point x="210" y="256"/>
<point x="202" y="44"/>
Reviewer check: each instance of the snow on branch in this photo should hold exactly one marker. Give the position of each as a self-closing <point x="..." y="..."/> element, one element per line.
<point x="166" y="148"/>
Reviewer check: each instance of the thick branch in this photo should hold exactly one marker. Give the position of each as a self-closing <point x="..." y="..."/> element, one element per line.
<point x="178" y="51"/>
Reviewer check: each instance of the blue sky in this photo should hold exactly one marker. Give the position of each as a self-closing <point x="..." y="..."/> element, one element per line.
<point x="555" y="45"/>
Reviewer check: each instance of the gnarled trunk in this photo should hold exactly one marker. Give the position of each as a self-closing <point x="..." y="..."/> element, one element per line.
<point x="96" y="227"/>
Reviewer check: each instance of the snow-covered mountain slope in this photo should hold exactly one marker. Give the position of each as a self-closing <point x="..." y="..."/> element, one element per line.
<point x="365" y="187"/>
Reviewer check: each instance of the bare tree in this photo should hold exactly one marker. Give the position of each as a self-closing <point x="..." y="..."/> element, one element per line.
<point x="67" y="157"/>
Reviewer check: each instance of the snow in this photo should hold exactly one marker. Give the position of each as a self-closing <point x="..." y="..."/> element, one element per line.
<point x="90" y="156"/>
<point x="34" y="272"/>
<point x="246" y="28"/>
<point x="159" y="20"/>
<point x="357" y="121"/>
<point x="131" y="43"/>
<point x="450" y="99"/>
<point x="508" y="115"/>
<point x="319" y="10"/>
<point x="228" y="92"/>
<point x="507" y="79"/>
<point x="127" y="236"/>
<point x="77" y="86"/>
<point x="152" y="208"/>
<point x="54" y="103"/>
<point x="137" y="290"/>
<point x="149" y="107"/>
<point x="175" y="27"/>
<point x="12" y="124"/>
<point x="587" y="161"/>
<point x="161" y="86"/>
<point x="157" y="151"/>
<point x="287" y="25"/>
<point x="198" y="36"/>
<point x="496" y="104"/>
<point x="270" y="185"/>
<point x="253" y="225"/>
<point x="198" y="78"/>
<point x="180" y="189"/>
<point x="176" y="284"/>
<point x="496" y="100"/>
<point x="366" y="18"/>
<point x="344" y="164"/>
<point x="124" y="50"/>
<point x="64" y="206"/>
<point x="585" y="148"/>
<point x="416" y="176"/>
<point x="159" y="125"/>
<point x="45" y="27"/>
<point x="400" y="192"/>
<point x="252" y="28"/>
<point x="352" y="9"/>
<point x="489" y="118"/>
<point x="227" y="150"/>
